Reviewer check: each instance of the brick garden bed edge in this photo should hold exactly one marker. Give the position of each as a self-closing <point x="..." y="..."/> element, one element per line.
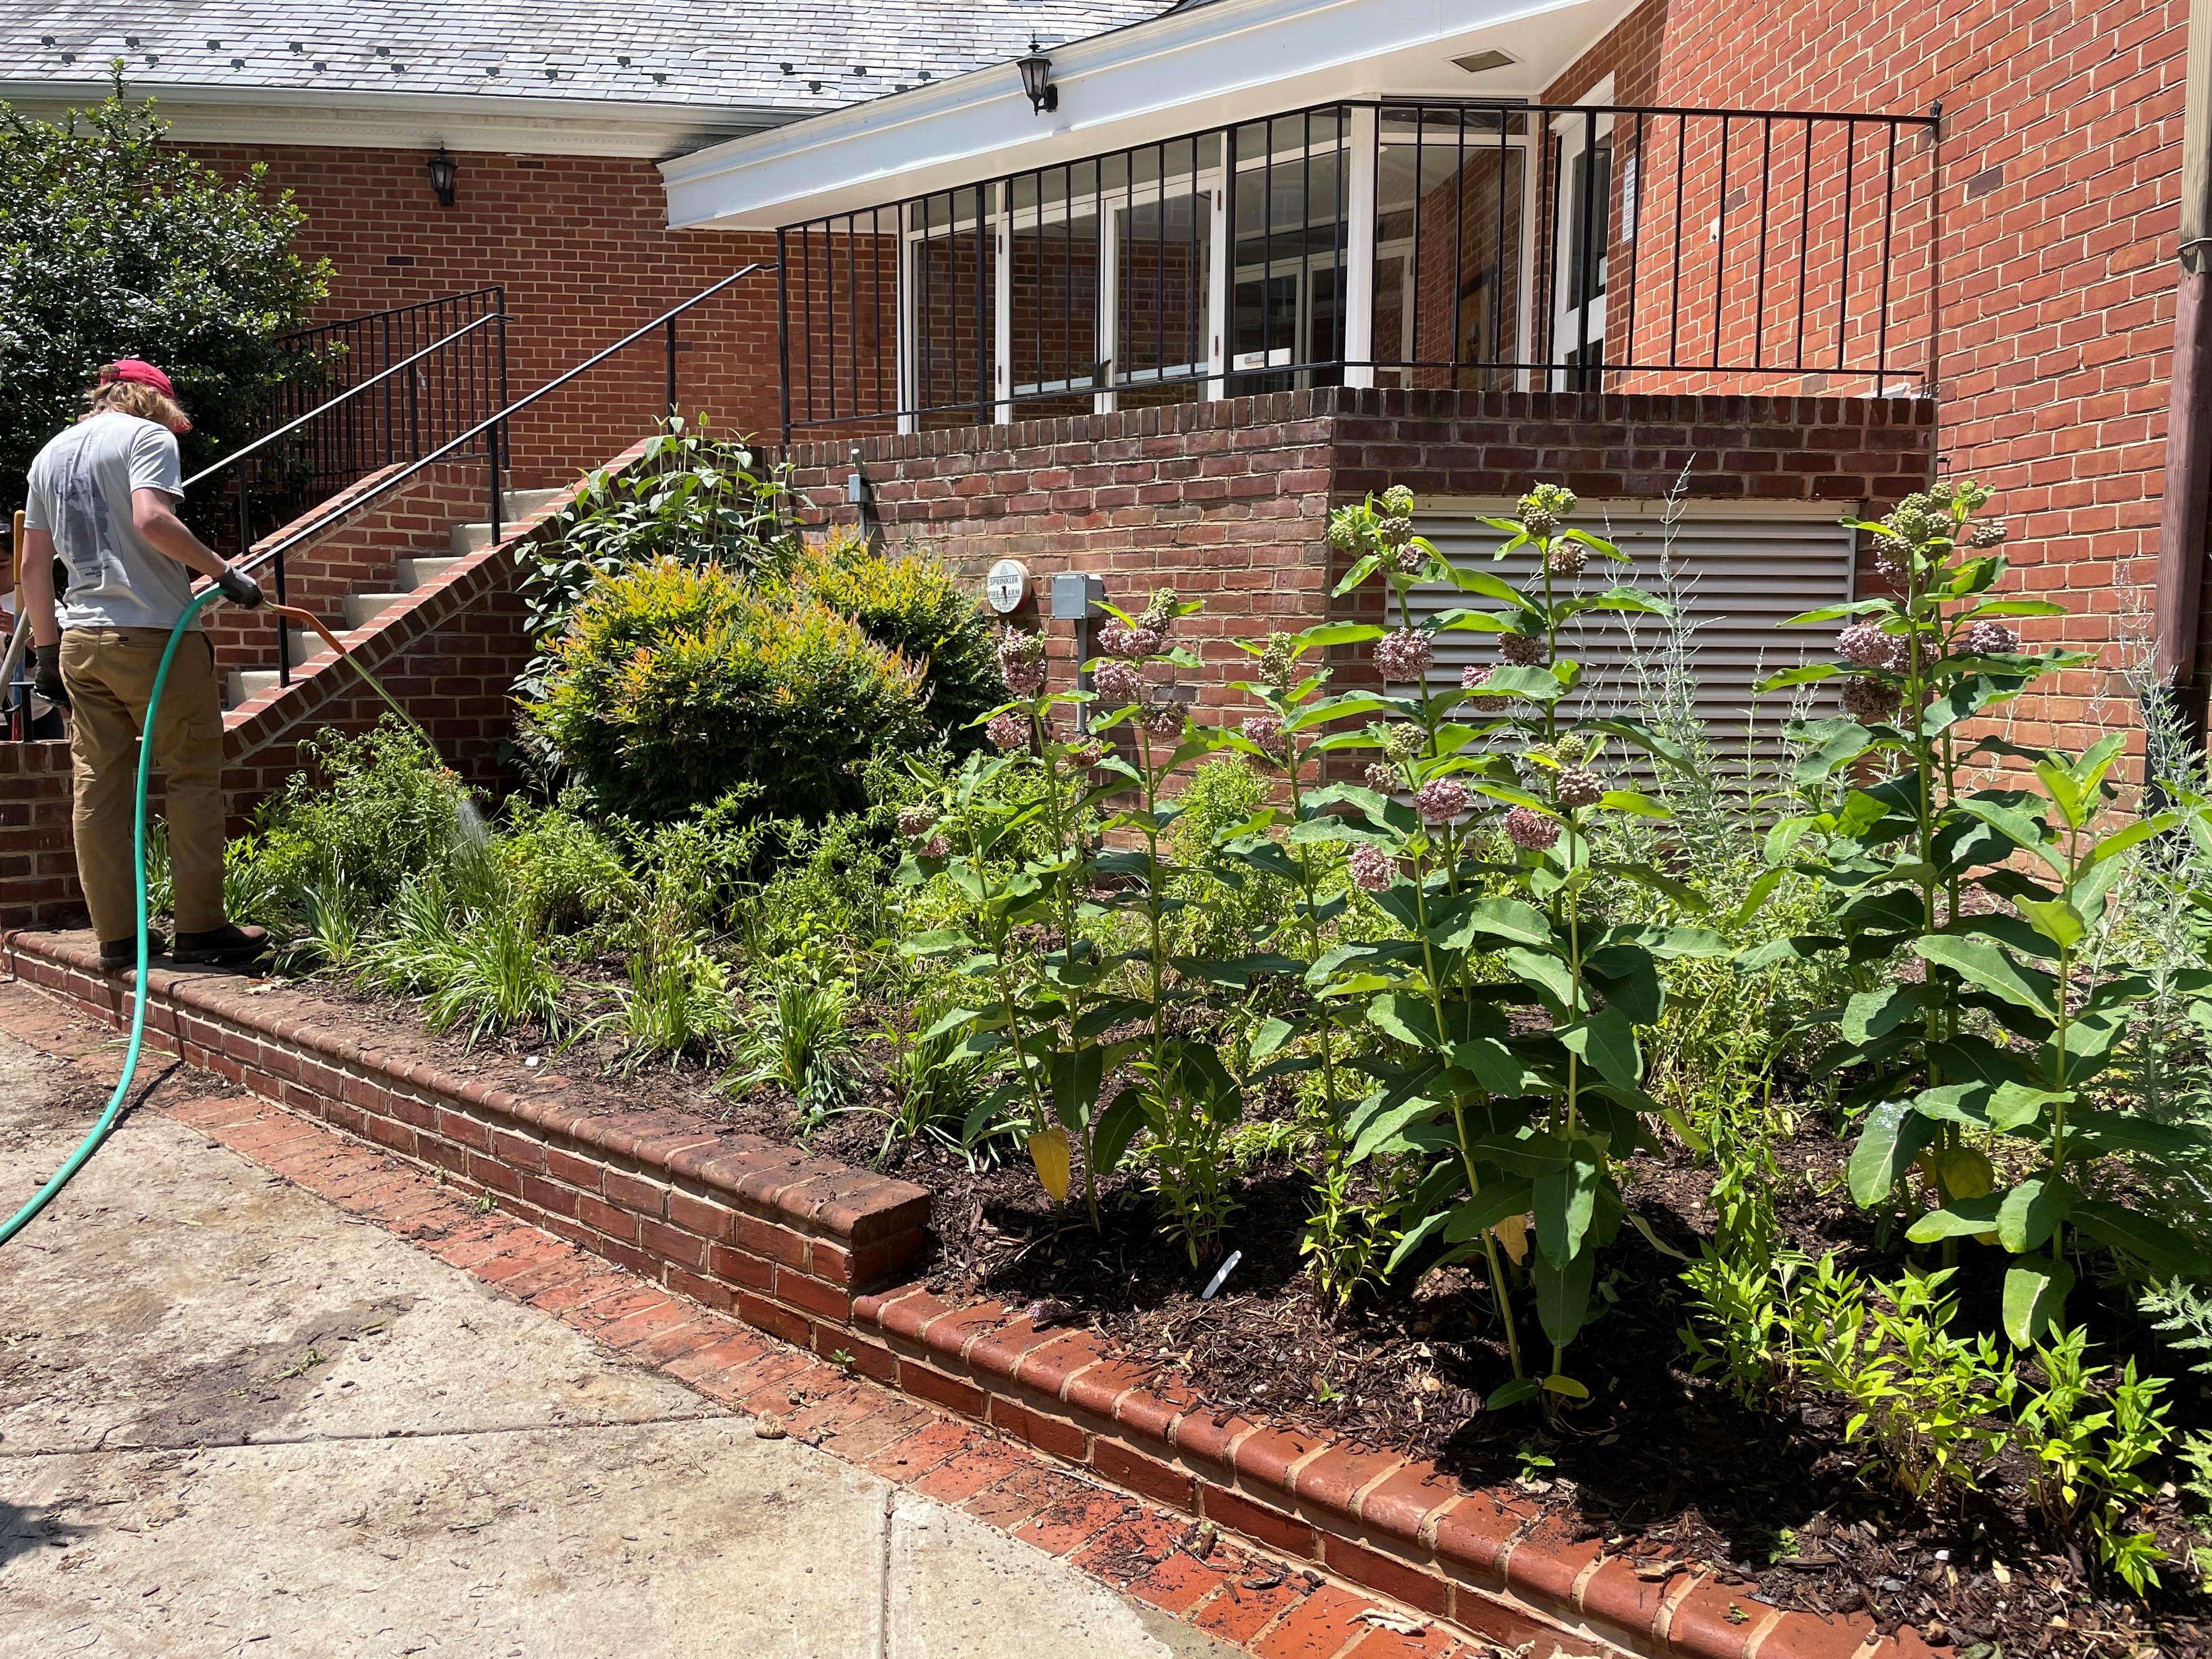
<point x="811" y="1251"/>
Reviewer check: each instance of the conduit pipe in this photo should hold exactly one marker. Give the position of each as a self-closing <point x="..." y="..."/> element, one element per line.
<point x="2180" y="620"/>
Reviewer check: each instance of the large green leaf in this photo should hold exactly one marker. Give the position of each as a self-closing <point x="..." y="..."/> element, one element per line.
<point x="2119" y="1228"/>
<point x="1891" y="1137"/>
<point x="1497" y="1201"/>
<point x="1564" y="1201"/>
<point x="1493" y="1064"/>
<point x="1545" y="972"/>
<point x="2123" y="1132"/>
<point x="1409" y="1019"/>
<point x="1507" y="680"/>
<point x="1563" y="1294"/>
<point x="1117" y="1126"/>
<point x="2031" y="1210"/>
<point x="1511" y="919"/>
<point x="1606" y="1042"/>
<point x="1380" y="1131"/>
<point x="1872" y="1015"/>
<point x="1982" y="964"/>
<point x="1962" y="1218"/>
<point x="1075" y="1075"/>
<point x="2035" y="1290"/>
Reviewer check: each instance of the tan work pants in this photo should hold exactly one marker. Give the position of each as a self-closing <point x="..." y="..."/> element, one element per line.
<point x="109" y="674"/>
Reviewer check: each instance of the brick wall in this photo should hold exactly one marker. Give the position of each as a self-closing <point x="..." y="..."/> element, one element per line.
<point x="1228" y="501"/>
<point x="582" y="247"/>
<point x="2060" y="184"/>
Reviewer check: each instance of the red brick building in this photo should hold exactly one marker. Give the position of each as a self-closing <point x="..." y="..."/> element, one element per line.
<point x="1149" y="304"/>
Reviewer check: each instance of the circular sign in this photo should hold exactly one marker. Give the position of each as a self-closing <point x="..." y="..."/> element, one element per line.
<point x="1007" y="586"/>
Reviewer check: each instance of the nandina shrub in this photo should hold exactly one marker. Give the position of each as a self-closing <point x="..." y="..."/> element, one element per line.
<point x="676" y="684"/>
<point x="912" y="604"/>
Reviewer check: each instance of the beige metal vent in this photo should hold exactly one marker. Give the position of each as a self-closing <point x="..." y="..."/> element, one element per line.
<point x="1736" y="573"/>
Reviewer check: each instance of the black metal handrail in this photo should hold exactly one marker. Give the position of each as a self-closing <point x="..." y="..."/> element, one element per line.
<point x="494" y="425"/>
<point x="353" y="391"/>
<point x="1507" y="244"/>
<point x="17" y="687"/>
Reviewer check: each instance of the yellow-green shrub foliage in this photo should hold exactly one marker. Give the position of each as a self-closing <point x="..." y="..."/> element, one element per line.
<point x="912" y="604"/>
<point x="674" y="685"/>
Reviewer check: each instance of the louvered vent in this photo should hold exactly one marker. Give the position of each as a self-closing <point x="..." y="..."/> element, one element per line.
<point x="1736" y="574"/>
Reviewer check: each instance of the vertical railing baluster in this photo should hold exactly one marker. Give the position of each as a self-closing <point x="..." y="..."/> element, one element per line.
<point x="1888" y="209"/>
<point x="1758" y="291"/>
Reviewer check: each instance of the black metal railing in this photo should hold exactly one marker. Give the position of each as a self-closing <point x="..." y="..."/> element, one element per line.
<point x="1430" y="244"/>
<point x="486" y="438"/>
<point x="368" y="393"/>
<point x="454" y="352"/>
<point x="447" y="440"/>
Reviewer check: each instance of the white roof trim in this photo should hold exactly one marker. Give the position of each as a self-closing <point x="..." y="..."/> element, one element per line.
<point x="386" y="120"/>
<point x="1233" y="60"/>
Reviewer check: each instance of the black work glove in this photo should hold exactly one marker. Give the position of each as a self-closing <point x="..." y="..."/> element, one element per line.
<point x="240" y="588"/>
<point x="46" y="674"/>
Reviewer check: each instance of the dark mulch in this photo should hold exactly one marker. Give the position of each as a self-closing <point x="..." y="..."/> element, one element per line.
<point x="1659" y="1462"/>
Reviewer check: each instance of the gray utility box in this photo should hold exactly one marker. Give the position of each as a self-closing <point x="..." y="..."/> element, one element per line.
<point x="1076" y="597"/>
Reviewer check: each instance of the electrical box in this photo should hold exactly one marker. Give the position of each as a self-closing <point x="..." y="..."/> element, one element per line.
<point x="1075" y="597"/>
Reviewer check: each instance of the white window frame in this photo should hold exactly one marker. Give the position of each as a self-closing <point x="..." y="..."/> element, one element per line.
<point x="1574" y="134"/>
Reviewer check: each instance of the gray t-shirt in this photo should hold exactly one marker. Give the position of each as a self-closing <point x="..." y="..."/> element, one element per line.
<point x="79" y="495"/>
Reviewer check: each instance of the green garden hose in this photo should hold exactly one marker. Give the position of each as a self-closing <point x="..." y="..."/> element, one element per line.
<point x="101" y="1130"/>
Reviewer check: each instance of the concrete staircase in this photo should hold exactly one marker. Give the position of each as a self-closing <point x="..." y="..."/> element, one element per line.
<point x="308" y="649"/>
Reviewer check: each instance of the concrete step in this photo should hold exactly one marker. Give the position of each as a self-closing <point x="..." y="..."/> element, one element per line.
<point x="308" y="646"/>
<point x="363" y="609"/>
<point x="308" y="649"/>
<point x="420" y="573"/>
<point x="517" y="504"/>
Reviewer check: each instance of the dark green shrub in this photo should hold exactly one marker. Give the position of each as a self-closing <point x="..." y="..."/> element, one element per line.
<point x="691" y="496"/>
<point x="676" y="684"/>
<point x="911" y="603"/>
<point x="117" y="244"/>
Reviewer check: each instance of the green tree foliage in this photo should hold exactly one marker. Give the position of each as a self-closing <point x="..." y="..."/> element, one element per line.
<point x="115" y="244"/>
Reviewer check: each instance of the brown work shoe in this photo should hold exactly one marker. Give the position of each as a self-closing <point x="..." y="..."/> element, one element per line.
<point x="118" y="954"/>
<point x="227" y="944"/>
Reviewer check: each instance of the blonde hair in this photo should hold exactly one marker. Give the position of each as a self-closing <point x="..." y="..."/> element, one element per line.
<point x="136" y="398"/>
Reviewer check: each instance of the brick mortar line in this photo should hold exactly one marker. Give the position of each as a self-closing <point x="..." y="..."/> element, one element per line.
<point x="972" y="1361"/>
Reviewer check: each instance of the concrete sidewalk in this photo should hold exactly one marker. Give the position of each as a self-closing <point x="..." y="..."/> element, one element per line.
<point x="234" y="1420"/>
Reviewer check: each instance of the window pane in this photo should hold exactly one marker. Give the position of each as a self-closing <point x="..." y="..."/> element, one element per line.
<point x="1447" y="257"/>
<point x="1055" y="295"/>
<point x="1164" y="267"/>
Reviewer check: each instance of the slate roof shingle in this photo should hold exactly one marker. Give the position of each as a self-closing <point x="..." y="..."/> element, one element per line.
<point x="790" y="57"/>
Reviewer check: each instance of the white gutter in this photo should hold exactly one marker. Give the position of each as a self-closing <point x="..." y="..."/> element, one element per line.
<point x="1184" y="72"/>
<point x="464" y="121"/>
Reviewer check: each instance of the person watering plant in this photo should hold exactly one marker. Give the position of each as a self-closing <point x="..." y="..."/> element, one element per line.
<point x="103" y="497"/>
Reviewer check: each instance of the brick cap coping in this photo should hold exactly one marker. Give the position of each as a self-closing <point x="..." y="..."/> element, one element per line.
<point x="1399" y="1526"/>
<point x="745" y="1171"/>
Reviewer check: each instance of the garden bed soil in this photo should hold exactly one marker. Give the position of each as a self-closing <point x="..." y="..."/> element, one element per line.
<point x="1659" y="1463"/>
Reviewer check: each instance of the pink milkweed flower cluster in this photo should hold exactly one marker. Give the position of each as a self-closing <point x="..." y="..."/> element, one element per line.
<point x="1372" y="868"/>
<point x="1404" y="655"/>
<point x="1021" y="662"/>
<point x="1440" y="800"/>
<point x="1531" y="830"/>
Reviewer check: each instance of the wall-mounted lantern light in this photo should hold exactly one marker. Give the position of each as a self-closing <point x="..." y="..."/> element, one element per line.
<point x="443" y="172"/>
<point x="1036" y="79"/>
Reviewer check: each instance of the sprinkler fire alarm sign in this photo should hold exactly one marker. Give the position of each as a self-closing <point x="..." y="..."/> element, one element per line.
<point x="1007" y="585"/>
